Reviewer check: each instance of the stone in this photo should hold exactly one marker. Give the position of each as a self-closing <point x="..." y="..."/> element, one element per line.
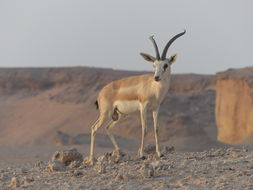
<point x="27" y="180"/>
<point x="121" y="176"/>
<point x="116" y="156"/>
<point x="4" y="177"/>
<point x="15" y="183"/>
<point x="234" y="108"/>
<point x="23" y="171"/>
<point x="75" y="164"/>
<point x="160" y="165"/>
<point x="67" y="156"/>
<point x="168" y="149"/>
<point x="56" y="166"/>
<point x="77" y="173"/>
<point x="40" y="164"/>
<point x="151" y="157"/>
<point x="100" y="167"/>
<point x="147" y="170"/>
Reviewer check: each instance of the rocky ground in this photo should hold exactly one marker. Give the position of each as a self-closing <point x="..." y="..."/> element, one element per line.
<point x="224" y="168"/>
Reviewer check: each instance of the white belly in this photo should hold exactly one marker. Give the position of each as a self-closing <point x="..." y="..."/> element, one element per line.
<point x="127" y="107"/>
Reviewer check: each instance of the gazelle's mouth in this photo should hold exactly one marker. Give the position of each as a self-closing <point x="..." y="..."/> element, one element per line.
<point x="157" y="79"/>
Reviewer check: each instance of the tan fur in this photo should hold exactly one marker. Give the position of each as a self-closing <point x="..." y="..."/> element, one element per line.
<point x="130" y="88"/>
<point x="141" y="93"/>
<point x="128" y="95"/>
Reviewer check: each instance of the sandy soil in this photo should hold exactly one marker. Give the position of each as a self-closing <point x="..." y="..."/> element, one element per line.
<point x="224" y="168"/>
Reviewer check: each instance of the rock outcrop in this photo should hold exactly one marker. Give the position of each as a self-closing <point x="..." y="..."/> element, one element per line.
<point x="234" y="108"/>
<point x="68" y="157"/>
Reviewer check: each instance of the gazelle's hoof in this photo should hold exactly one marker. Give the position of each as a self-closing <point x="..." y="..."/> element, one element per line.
<point x="89" y="161"/>
<point x="143" y="158"/>
<point x="159" y="154"/>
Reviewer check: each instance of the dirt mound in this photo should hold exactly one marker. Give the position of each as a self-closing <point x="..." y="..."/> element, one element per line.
<point x="66" y="157"/>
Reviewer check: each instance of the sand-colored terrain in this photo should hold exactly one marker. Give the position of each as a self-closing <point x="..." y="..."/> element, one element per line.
<point x="234" y="110"/>
<point x="43" y="108"/>
<point x="224" y="168"/>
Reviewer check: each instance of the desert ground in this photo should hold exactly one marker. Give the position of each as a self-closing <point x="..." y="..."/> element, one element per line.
<point x="222" y="168"/>
<point x="49" y="110"/>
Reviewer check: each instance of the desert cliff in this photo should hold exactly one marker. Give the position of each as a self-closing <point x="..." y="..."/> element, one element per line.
<point x="234" y="110"/>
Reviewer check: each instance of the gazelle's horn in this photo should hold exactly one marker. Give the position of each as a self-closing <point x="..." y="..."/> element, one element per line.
<point x="169" y="43"/>
<point x="155" y="46"/>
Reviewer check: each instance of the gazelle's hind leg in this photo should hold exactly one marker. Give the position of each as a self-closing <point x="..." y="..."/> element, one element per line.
<point x="101" y="120"/>
<point x="115" y="119"/>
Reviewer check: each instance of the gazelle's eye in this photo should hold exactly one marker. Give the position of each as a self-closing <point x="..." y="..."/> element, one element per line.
<point x="165" y="66"/>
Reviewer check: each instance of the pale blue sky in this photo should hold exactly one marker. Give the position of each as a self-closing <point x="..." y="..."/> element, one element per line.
<point x="111" y="33"/>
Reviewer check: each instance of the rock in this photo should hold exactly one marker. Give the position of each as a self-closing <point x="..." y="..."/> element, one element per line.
<point x="147" y="170"/>
<point x="119" y="156"/>
<point x="104" y="158"/>
<point x="234" y="108"/>
<point x="168" y="149"/>
<point x="156" y="164"/>
<point x="3" y="177"/>
<point x="101" y="168"/>
<point x="160" y="165"/>
<point x="56" y="166"/>
<point x="15" y="183"/>
<point x="40" y="164"/>
<point x="75" y="164"/>
<point x="23" y="170"/>
<point x="77" y="173"/>
<point x="27" y="180"/>
<point x="116" y="156"/>
<point x="151" y="149"/>
<point x="68" y="156"/>
<point x="151" y="157"/>
<point x="121" y="176"/>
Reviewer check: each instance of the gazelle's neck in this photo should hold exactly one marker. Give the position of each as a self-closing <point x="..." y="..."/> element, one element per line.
<point x="165" y="82"/>
<point x="163" y="86"/>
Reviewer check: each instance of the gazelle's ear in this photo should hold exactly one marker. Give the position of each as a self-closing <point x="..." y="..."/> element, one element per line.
<point x="173" y="58"/>
<point x="148" y="57"/>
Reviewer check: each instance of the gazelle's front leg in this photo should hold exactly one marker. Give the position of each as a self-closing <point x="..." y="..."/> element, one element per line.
<point x="143" y="112"/>
<point x="155" y="117"/>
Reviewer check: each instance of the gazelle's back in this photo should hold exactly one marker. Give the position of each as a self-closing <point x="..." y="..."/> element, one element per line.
<point x="126" y="93"/>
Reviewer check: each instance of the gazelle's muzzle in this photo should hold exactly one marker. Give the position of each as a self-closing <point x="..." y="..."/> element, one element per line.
<point x="157" y="78"/>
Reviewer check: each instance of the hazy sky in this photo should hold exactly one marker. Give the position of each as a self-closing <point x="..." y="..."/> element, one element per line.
<point x="111" y="33"/>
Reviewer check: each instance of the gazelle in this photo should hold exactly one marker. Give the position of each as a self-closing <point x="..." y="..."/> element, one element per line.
<point x="141" y="93"/>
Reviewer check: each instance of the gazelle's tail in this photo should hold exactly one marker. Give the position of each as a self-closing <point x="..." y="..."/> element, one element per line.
<point x="96" y="103"/>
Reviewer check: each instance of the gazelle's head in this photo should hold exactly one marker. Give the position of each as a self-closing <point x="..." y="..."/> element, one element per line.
<point x="161" y="64"/>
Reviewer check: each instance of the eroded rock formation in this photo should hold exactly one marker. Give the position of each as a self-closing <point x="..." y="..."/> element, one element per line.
<point x="234" y="105"/>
